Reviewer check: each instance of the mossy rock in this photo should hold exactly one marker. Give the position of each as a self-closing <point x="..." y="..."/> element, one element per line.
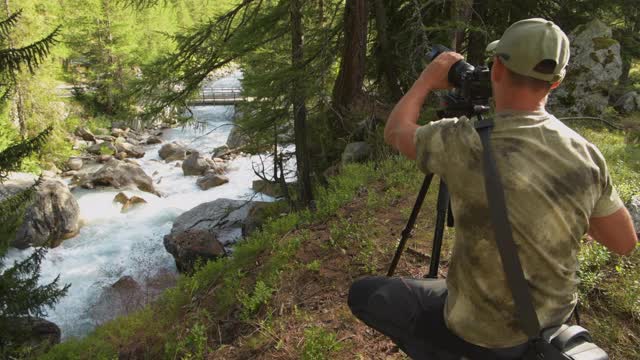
<point x="601" y="43"/>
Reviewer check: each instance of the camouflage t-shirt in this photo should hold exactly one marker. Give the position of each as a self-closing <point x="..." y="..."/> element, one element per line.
<point x="554" y="181"/>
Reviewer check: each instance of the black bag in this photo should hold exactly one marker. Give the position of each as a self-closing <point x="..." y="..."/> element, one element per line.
<point x="562" y="342"/>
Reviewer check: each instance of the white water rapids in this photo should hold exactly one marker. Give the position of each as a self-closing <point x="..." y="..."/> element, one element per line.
<point x="112" y="244"/>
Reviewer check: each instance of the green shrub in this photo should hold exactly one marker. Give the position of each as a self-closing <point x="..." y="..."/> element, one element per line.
<point x="319" y="344"/>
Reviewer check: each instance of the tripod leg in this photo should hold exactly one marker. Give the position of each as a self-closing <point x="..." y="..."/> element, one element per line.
<point x="442" y="210"/>
<point x="412" y="221"/>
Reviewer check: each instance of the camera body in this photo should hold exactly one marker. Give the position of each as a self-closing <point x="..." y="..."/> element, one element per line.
<point x="472" y="88"/>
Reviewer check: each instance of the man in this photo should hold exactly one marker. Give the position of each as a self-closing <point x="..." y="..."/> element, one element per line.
<point x="557" y="188"/>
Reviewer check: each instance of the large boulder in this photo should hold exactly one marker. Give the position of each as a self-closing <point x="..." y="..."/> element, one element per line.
<point x="356" y="152"/>
<point x="594" y="68"/>
<point x="634" y="210"/>
<point x="202" y="232"/>
<point x="120" y="175"/>
<point x="84" y="134"/>
<point x="53" y="216"/>
<point x="173" y="151"/>
<point x="197" y="164"/>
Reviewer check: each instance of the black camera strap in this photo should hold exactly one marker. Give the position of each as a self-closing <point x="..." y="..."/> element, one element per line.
<point x="507" y="248"/>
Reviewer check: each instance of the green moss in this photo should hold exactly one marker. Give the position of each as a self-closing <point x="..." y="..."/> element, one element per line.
<point x="594" y="57"/>
<point x="601" y="43"/>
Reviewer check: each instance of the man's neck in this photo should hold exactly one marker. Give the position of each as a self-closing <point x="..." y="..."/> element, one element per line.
<point x="517" y="102"/>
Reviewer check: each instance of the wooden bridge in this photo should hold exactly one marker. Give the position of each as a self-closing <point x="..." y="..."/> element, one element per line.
<point x="218" y="96"/>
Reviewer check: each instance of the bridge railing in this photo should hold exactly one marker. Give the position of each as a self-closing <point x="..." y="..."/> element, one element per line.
<point x="220" y="94"/>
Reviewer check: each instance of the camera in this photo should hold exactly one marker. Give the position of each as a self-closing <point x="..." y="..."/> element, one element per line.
<point x="472" y="87"/>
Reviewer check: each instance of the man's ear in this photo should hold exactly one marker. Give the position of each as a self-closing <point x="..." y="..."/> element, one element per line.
<point x="555" y="85"/>
<point x="498" y="70"/>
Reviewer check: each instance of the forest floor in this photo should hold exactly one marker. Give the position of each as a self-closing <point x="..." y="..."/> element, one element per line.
<point x="283" y="294"/>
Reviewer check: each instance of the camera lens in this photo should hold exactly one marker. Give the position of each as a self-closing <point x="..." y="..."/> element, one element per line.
<point x="458" y="72"/>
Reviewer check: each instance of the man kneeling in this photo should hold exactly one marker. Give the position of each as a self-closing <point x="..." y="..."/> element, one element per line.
<point x="557" y="188"/>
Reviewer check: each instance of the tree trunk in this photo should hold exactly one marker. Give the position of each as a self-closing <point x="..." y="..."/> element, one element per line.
<point x="478" y="40"/>
<point x="298" y="98"/>
<point x="385" y="54"/>
<point x="348" y="85"/>
<point x="461" y="11"/>
<point x="16" y="112"/>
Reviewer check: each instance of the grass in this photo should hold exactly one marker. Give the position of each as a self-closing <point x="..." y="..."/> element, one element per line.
<point x="282" y="294"/>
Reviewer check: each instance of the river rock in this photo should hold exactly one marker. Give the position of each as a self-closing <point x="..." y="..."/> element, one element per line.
<point x="356" y="152"/>
<point x="80" y="144"/>
<point x="152" y="140"/>
<point x="34" y="333"/>
<point x="196" y="164"/>
<point x="634" y="210"/>
<point x="130" y="150"/>
<point x="84" y="134"/>
<point x="256" y="217"/>
<point x="119" y="125"/>
<point x="202" y="232"/>
<point x="237" y="138"/>
<point x="75" y="163"/>
<point x="53" y="216"/>
<point x="211" y="179"/>
<point x="128" y="203"/>
<point x="270" y="188"/>
<point x="628" y="103"/>
<point x="593" y="71"/>
<point x="220" y="151"/>
<point x="107" y="138"/>
<point x="120" y="298"/>
<point x="172" y="151"/>
<point x="119" y="174"/>
<point x="104" y="159"/>
<point x="117" y="132"/>
<point x="103" y="148"/>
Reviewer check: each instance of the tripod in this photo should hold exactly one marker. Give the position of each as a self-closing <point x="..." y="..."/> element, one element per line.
<point x="443" y="213"/>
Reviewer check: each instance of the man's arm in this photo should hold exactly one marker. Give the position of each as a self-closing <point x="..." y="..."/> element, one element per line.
<point x="615" y="231"/>
<point x="402" y="123"/>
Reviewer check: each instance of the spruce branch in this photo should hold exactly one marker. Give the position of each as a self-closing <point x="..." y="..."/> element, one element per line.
<point x="11" y="157"/>
<point x="31" y="55"/>
<point x="10" y="206"/>
<point x="7" y="24"/>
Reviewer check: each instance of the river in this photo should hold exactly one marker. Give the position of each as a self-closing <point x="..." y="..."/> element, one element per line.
<point x="112" y="244"/>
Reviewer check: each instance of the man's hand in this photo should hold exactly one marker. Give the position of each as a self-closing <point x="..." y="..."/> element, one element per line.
<point x="435" y="75"/>
<point x="402" y="123"/>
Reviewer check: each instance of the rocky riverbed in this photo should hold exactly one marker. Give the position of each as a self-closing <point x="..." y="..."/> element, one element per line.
<point x="124" y="195"/>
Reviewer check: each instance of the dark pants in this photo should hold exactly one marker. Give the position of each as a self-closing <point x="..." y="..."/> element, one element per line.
<point x="411" y="313"/>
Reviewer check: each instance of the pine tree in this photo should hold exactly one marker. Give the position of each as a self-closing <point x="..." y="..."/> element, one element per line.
<point x="21" y="296"/>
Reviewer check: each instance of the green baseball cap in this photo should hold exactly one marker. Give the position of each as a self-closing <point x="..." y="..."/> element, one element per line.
<point x="528" y="43"/>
